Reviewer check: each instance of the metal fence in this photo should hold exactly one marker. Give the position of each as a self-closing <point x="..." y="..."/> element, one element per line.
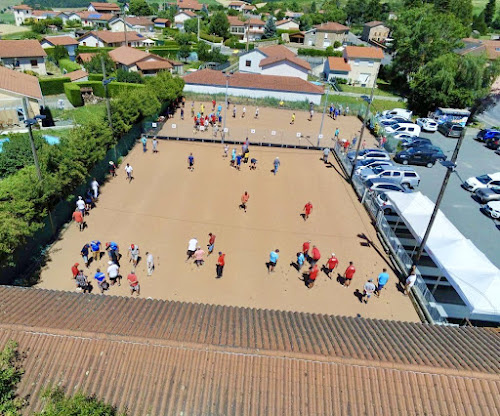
<point x="420" y="291"/>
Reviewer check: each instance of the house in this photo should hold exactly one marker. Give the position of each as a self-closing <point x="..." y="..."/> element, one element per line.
<point x="135" y="60"/>
<point x="255" y="29"/>
<point x="473" y="46"/>
<point x="78" y="75"/>
<point x="68" y="17"/>
<point x="95" y="20"/>
<point x="287" y="24"/>
<point x="236" y="5"/>
<point x="104" y="8"/>
<point x="22" y="13"/>
<point x="106" y="38"/>
<point x="181" y="17"/>
<point x="293" y="15"/>
<point x="208" y="81"/>
<point x="84" y="57"/>
<point x="161" y="23"/>
<point x="23" y="55"/>
<point x="248" y="9"/>
<point x="69" y="43"/>
<point x="326" y="34"/>
<point x="375" y="31"/>
<point x="14" y="87"/>
<point x="336" y="67"/>
<point x="236" y="27"/>
<point x="43" y="14"/>
<point x="189" y="5"/>
<point x="140" y="24"/>
<point x="364" y="63"/>
<point x="274" y="60"/>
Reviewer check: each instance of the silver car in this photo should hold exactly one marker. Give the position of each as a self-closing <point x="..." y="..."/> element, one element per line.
<point x="402" y="175"/>
<point x="485" y="195"/>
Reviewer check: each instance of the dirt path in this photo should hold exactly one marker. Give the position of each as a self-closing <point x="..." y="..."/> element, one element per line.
<point x="166" y="205"/>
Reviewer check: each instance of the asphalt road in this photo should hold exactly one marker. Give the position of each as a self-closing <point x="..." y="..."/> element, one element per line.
<point x="461" y="209"/>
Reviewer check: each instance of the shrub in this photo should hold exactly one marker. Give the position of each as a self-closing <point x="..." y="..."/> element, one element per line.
<point x="130" y="77"/>
<point x="114" y="88"/>
<point x="53" y="86"/>
<point x="211" y="38"/>
<point x="72" y="91"/>
<point x="95" y="77"/>
<point x="69" y="66"/>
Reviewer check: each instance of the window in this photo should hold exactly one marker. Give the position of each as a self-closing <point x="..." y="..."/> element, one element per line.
<point x="397" y="174"/>
<point x="34" y="63"/>
<point x="386" y="174"/>
<point x="356" y="62"/>
<point x="410" y="174"/>
<point x="370" y="63"/>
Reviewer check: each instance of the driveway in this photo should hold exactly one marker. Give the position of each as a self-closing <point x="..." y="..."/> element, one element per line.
<point x="474" y="159"/>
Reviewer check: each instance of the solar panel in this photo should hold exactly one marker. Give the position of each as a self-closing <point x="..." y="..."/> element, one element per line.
<point x="94" y="16"/>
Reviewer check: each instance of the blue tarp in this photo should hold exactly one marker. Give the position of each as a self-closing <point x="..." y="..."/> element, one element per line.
<point x="52" y="140"/>
<point x="2" y="141"/>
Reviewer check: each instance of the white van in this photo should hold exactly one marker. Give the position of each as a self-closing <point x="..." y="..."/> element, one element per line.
<point x="483" y="181"/>
<point x="406" y="128"/>
<point x="397" y="112"/>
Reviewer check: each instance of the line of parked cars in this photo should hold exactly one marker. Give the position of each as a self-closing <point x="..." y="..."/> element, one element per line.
<point x="486" y="190"/>
<point x="490" y="138"/>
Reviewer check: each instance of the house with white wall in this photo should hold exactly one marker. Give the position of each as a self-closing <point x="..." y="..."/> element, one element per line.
<point x="208" y="81"/>
<point x="23" y="55"/>
<point x="136" y="60"/>
<point x="104" y="7"/>
<point x="326" y="34"/>
<point x="236" y="27"/>
<point x="69" y="43"/>
<point x="141" y="24"/>
<point x="181" y="17"/>
<point x="336" y="67"/>
<point x="364" y="63"/>
<point x="106" y="38"/>
<point x="254" y="29"/>
<point x="22" y="13"/>
<point x="274" y="60"/>
<point x="286" y="24"/>
<point x="95" y="20"/>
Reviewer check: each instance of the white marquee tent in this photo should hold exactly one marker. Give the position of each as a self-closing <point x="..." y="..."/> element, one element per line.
<point x="468" y="270"/>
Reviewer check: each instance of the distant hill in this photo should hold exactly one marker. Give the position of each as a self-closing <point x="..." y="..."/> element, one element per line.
<point x="50" y="4"/>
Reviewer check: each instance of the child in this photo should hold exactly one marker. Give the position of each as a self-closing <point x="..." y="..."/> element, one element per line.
<point x="238" y="162"/>
<point x="300" y="260"/>
<point x="226" y="149"/>
<point x="253" y="162"/>
<point x="245" y="156"/>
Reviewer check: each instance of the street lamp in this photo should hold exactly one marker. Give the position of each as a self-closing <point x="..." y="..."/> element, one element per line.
<point x="29" y="123"/>
<point x="225" y="106"/>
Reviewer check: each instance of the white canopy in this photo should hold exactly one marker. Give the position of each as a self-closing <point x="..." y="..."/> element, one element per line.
<point x="469" y="271"/>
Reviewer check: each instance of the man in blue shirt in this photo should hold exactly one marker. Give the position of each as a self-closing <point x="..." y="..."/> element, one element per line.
<point x="191" y="162"/>
<point x="101" y="280"/>
<point x="95" y="245"/>
<point x="144" y="143"/>
<point x="383" y="278"/>
<point x="276" y="165"/>
<point x="273" y="259"/>
<point x="85" y="254"/>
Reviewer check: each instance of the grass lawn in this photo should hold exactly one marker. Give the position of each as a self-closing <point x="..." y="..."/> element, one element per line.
<point x="367" y="91"/>
<point x="79" y="114"/>
<point x="7" y="18"/>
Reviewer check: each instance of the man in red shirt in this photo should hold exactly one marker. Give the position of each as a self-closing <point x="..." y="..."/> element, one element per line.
<point x="313" y="274"/>
<point x="134" y="283"/>
<point x="78" y="217"/>
<point x="349" y="274"/>
<point x="74" y="270"/>
<point x="220" y="264"/>
<point x="305" y="248"/>
<point x="307" y="210"/>
<point x="244" y="201"/>
<point x="331" y="263"/>
<point x="211" y="243"/>
<point x="315" y="256"/>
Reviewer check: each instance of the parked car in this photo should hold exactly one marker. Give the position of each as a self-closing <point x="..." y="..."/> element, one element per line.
<point x="492" y="209"/>
<point x="485" y="195"/>
<point x="424" y="155"/>
<point x="405" y="176"/>
<point x="384" y="185"/>
<point x="415" y="142"/>
<point x="398" y="112"/>
<point x="384" y="203"/>
<point x="396" y="119"/>
<point x="483" y="181"/>
<point x="371" y="163"/>
<point x="486" y="134"/>
<point x="386" y="122"/>
<point x="427" y="124"/>
<point x="493" y="143"/>
<point x="407" y="128"/>
<point x="369" y="154"/>
<point x="403" y="136"/>
<point x="450" y="129"/>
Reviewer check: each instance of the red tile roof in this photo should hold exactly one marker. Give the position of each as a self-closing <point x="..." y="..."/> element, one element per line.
<point x="86" y="15"/>
<point x="19" y="83"/>
<point x="106" y="6"/>
<point x="256" y="22"/>
<point x="338" y="64"/>
<point x="86" y="56"/>
<point x="363" y="52"/>
<point x="278" y="53"/>
<point x="22" y="7"/>
<point x="139" y="20"/>
<point x="161" y="20"/>
<point x="166" y="358"/>
<point x="114" y="37"/>
<point x="154" y="65"/>
<point x="60" y="40"/>
<point x="235" y="21"/>
<point x="253" y="81"/>
<point x="77" y="75"/>
<point x="374" y="23"/>
<point x="21" y="48"/>
<point x="331" y="27"/>
<point x="126" y="55"/>
<point x="188" y="12"/>
<point x="189" y="4"/>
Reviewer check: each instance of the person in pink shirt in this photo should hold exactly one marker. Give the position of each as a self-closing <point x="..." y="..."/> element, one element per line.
<point x="198" y="257"/>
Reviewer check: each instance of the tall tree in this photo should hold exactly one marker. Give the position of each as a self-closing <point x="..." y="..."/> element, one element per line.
<point x="373" y="11"/>
<point x="219" y="24"/>
<point x="140" y="8"/>
<point x="489" y="12"/>
<point x="479" y="24"/>
<point x="270" y="29"/>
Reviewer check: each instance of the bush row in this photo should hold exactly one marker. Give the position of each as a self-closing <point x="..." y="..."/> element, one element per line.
<point x="72" y="90"/>
<point x="53" y="86"/>
<point x="69" y="66"/>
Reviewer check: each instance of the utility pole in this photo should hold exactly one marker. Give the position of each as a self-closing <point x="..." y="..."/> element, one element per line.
<point x="125" y="24"/>
<point x="324" y="111"/>
<point x="449" y="169"/>
<point x="363" y="126"/>
<point x="198" y="28"/>
<point x="225" y="107"/>
<point x="32" y="142"/>
<point x="247" y="33"/>
<point x="108" y="106"/>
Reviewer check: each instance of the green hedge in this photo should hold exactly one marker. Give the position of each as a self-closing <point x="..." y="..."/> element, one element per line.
<point x="53" y="86"/>
<point x="72" y="90"/>
<point x="93" y="49"/>
<point x="69" y="66"/>
<point x="95" y="77"/>
<point x="210" y="38"/>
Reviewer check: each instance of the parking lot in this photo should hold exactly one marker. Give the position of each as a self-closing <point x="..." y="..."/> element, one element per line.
<point x="474" y="159"/>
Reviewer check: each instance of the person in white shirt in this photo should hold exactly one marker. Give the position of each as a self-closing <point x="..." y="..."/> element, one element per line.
<point x="192" y="244"/>
<point x="129" y="169"/>
<point x="113" y="273"/>
<point x="410" y="280"/>
<point x="80" y="204"/>
<point x="150" y="263"/>
<point x="95" y="188"/>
